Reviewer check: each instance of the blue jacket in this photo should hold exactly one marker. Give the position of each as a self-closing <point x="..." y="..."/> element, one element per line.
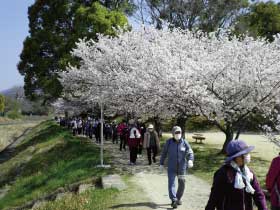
<point x="178" y="155"/>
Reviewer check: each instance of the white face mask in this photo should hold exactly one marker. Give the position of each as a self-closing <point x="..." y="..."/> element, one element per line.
<point x="177" y="136"/>
<point x="247" y="158"/>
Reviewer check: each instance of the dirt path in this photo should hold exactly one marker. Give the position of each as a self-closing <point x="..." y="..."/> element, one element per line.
<point x="154" y="183"/>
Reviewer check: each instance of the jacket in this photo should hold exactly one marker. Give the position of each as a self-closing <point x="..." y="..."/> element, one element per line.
<point x="225" y="197"/>
<point x="146" y="143"/>
<point x="134" y="137"/>
<point x="273" y="182"/>
<point x="178" y="155"/>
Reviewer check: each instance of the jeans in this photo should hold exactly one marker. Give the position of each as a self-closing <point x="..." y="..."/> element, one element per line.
<point x="173" y="195"/>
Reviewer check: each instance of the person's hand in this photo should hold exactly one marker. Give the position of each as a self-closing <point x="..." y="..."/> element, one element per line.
<point x="161" y="168"/>
<point x="190" y="164"/>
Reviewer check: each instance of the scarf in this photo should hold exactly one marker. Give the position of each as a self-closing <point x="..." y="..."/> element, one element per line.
<point x="246" y="174"/>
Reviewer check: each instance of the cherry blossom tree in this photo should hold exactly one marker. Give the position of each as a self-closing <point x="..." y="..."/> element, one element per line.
<point x="178" y="73"/>
<point x="242" y="77"/>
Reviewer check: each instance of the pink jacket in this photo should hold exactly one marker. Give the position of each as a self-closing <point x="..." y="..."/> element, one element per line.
<point x="273" y="182"/>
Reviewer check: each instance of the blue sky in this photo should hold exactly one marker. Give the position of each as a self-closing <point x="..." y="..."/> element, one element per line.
<point x="14" y="29"/>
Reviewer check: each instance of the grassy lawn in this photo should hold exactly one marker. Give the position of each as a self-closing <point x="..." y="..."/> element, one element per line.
<point x="47" y="159"/>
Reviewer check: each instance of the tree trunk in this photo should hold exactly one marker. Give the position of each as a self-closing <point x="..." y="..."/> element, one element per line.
<point x="181" y="121"/>
<point x="229" y="138"/>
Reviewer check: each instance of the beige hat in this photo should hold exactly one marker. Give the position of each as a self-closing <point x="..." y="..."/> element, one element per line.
<point x="150" y="126"/>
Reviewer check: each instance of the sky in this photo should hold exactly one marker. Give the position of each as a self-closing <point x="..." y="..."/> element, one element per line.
<point x="14" y="29"/>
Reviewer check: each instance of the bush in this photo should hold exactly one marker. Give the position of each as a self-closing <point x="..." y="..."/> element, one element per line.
<point x="13" y="114"/>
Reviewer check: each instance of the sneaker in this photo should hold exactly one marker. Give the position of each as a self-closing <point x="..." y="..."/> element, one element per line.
<point x="179" y="202"/>
<point x="174" y="204"/>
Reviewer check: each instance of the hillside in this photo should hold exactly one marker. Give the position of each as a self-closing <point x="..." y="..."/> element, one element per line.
<point x="47" y="159"/>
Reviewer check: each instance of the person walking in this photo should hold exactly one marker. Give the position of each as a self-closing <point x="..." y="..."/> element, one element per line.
<point x="180" y="158"/>
<point x="123" y="133"/>
<point x="114" y="133"/>
<point x="98" y="131"/>
<point x="142" y="130"/>
<point x="80" y="126"/>
<point x="235" y="186"/>
<point x="273" y="183"/>
<point x="133" y="143"/>
<point x="74" y="127"/>
<point x="151" y="143"/>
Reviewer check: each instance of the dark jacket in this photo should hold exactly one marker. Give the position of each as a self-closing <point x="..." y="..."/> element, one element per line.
<point x="273" y="182"/>
<point x="225" y="197"/>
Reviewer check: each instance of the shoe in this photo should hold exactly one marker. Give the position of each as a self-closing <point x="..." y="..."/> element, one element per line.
<point x="179" y="202"/>
<point x="174" y="204"/>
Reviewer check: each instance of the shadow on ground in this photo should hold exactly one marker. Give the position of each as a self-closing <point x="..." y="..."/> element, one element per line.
<point x="143" y="204"/>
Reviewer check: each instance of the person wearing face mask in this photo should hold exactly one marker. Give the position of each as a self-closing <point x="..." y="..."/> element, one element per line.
<point x="235" y="186"/>
<point x="151" y="143"/>
<point x="273" y="183"/>
<point x="180" y="158"/>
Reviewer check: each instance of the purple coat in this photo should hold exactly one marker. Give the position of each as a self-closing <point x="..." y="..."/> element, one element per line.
<point x="273" y="181"/>
<point x="225" y="197"/>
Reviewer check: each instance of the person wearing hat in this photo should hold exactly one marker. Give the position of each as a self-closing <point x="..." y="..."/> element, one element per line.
<point x="273" y="183"/>
<point x="151" y="143"/>
<point x="180" y="158"/>
<point x="235" y="186"/>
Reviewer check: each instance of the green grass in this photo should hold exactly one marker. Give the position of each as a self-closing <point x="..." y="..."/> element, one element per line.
<point x="129" y="199"/>
<point x="49" y="158"/>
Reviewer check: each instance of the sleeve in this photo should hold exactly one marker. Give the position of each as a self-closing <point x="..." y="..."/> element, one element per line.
<point x="258" y="196"/>
<point x="164" y="152"/>
<point x="217" y="194"/>
<point x="272" y="174"/>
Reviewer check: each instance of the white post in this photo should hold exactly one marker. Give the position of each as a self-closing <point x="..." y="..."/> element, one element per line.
<point x="101" y="134"/>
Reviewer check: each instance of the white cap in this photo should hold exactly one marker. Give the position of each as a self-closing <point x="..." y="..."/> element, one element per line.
<point x="150" y="126"/>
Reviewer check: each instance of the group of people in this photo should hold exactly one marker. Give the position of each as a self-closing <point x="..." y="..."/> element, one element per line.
<point x="137" y="137"/>
<point x="88" y="127"/>
<point x="235" y="185"/>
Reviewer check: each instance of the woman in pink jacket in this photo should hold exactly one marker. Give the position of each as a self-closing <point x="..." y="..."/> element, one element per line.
<point x="273" y="183"/>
